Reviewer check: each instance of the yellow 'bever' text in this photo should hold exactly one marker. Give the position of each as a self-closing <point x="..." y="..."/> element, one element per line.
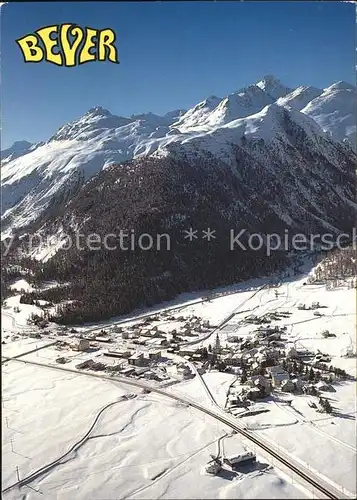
<point x="69" y="45"/>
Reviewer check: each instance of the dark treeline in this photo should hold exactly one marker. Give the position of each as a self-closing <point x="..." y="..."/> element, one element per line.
<point x="336" y="265"/>
<point x="155" y="197"/>
<point x="172" y="194"/>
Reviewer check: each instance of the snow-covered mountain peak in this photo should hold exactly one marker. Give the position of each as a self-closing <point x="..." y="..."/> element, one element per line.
<point x="35" y="177"/>
<point x="273" y="86"/>
<point x="341" y="85"/>
<point x="335" y="111"/>
<point x="244" y="102"/>
<point x="212" y="100"/>
<point x="197" y="116"/>
<point x="153" y="120"/>
<point x="175" y="115"/>
<point x="98" y="111"/>
<point x="269" y="80"/>
<point x="251" y="89"/>
<point x="93" y="122"/>
<point x="19" y="148"/>
<point x="278" y="127"/>
<point x="144" y="116"/>
<point x="271" y="122"/>
<point x="209" y="102"/>
<point x="20" y="145"/>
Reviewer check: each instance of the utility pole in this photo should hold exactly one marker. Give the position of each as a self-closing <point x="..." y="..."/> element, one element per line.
<point x="7" y="421"/>
<point x="17" y="472"/>
<point x="12" y="445"/>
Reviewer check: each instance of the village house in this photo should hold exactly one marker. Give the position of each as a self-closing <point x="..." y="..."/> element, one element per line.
<point x="232" y="339"/>
<point x="81" y="345"/>
<point x="91" y="364"/>
<point x="249" y="361"/>
<point x="213" y="466"/>
<point x="235" y="461"/>
<point x="35" y="335"/>
<point x="136" y="359"/>
<point x="253" y="394"/>
<point x="322" y="386"/>
<point x="274" y="336"/>
<point x="255" y="367"/>
<point x="266" y="331"/>
<point x="260" y="357"/>
<point x="140" y="372"/>
<point x="278" y="375"/>
<point x="250" y="353"/>
<point x="232" y="360"/>
<point x="118" y="354"/>
<point x="117" y="329"/>
<point x="140" y="341"/>
<point x="264" y="388"/>
<point x="304" y="353"/>
<point x="85" y="364"/>
<point x="104" y="338"/>
<point x="310" y="389"/>
<point x="184" y="371"/>
<point x="150" y="376"/>
<point x="154" y="342"/>
<point x="264" y="382"/>
<point x="291" y="353"/>
<point x="154" y="355"/>
<point x="127" y="371"/>
<point x="298" y="383"/>
<point x="188" y="351"/>
<point x="236" y="400"/>
<point x="322" y="358"/>
<point x="287" y="386"/>
<point x="236" y="370"/>
<point x="146" y="332"/>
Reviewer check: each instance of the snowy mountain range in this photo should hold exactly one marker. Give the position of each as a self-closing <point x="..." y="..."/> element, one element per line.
<point x="39" y="178"/>
<point x="19" y="148"/>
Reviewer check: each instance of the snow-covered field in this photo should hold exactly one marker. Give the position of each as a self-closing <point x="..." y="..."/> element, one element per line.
<point x="146" y="447"/>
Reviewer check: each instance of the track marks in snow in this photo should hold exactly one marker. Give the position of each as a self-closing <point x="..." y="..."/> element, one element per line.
<point x="169" y="471"/>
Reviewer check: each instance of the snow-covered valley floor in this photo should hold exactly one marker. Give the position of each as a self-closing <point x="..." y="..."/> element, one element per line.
<point x="145" y="447"/>
<point x="150" y="446"/>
